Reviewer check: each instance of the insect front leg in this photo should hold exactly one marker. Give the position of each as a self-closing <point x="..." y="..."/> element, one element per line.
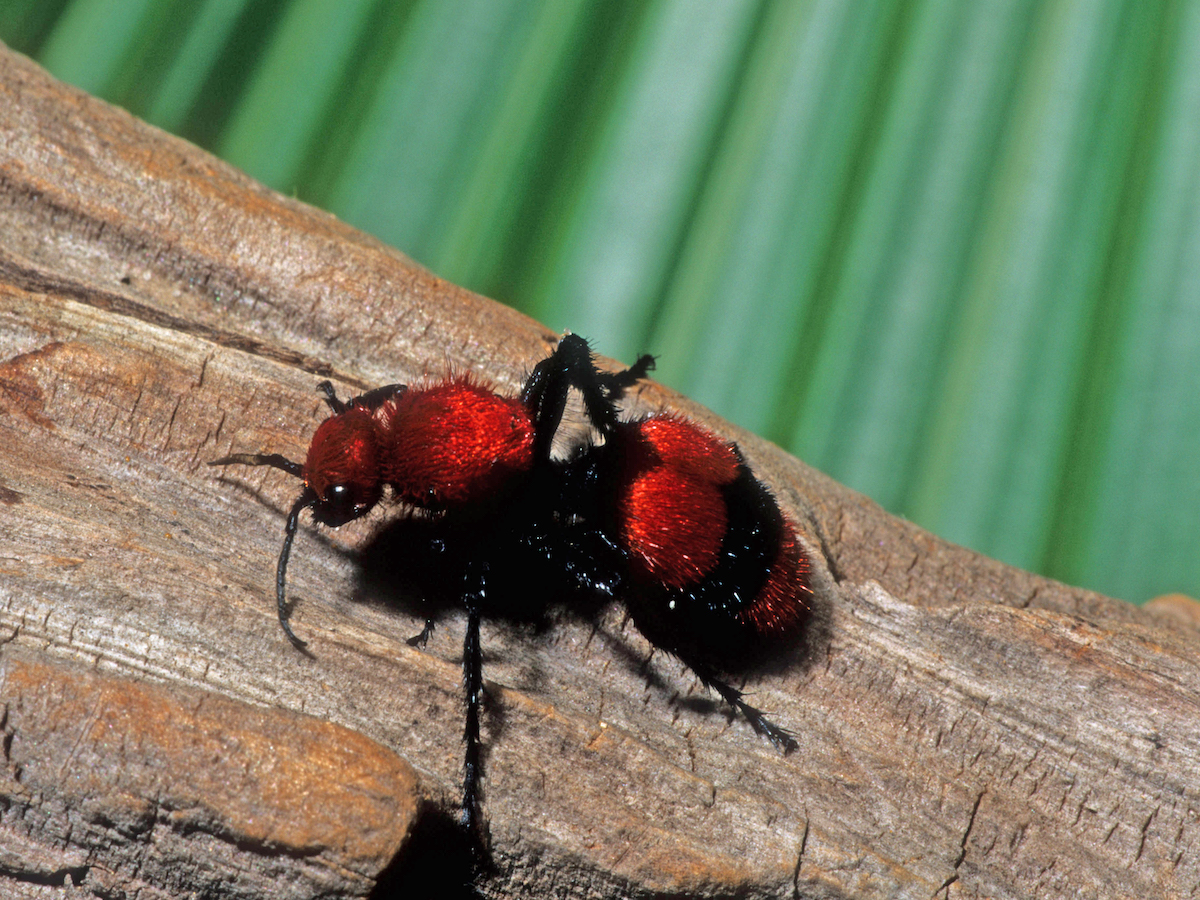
<point x="372" y="399"/>
<point x="472" y="818"/>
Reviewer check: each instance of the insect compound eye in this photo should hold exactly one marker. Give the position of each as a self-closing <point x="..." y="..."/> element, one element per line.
<point x="343" y="503"/>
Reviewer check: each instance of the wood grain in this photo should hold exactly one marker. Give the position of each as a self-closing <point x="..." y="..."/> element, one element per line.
<point x="965" y="729"/>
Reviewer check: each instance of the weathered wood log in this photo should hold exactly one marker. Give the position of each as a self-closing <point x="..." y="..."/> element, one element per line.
<point x="965" y="729"/>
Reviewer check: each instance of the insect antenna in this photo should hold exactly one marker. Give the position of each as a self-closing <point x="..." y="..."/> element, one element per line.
<point x="274" y="460"/>
<point x="306" y="499"/>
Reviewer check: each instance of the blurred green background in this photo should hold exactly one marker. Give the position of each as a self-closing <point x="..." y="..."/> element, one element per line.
<point x="947" y="252"/>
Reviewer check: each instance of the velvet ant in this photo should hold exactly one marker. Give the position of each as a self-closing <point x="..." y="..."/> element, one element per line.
<point x="658" y="512"/>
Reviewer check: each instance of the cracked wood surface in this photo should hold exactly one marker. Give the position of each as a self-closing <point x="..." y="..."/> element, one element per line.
<point x="965" y="729"/>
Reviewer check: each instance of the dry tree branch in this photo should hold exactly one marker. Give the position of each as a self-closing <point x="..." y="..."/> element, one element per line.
<point x="965" y="728"/>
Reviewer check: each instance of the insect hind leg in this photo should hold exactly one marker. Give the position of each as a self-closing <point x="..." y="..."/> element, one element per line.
<point x="780" y="737"/>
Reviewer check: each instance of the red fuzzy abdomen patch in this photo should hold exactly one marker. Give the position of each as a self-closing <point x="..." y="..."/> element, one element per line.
<point x="779" y="610"/>
<point x="672" y="514"/>
<point x="454" y="444"/>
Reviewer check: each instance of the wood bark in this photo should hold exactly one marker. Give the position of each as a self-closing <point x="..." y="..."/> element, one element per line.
<point x="965" y="729"/>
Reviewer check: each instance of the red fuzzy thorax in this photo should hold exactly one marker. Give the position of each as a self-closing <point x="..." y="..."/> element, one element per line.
<point x="670" y="508"/>
<point x="454" y="444"/>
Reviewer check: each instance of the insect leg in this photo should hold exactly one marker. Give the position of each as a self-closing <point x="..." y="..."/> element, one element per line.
<point x="376" y="397"/>
<point x="616" y="383"/>
<point x="372" y="399"/>
<point x="780" y="737"/>
<point x="472" y="818"/>
<point x="419" y="640"/>
<point x="325" y="389"/>
<point x="571" y="365"/>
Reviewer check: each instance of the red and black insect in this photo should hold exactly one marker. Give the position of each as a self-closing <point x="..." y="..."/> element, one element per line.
<point x="658" y="513"/>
